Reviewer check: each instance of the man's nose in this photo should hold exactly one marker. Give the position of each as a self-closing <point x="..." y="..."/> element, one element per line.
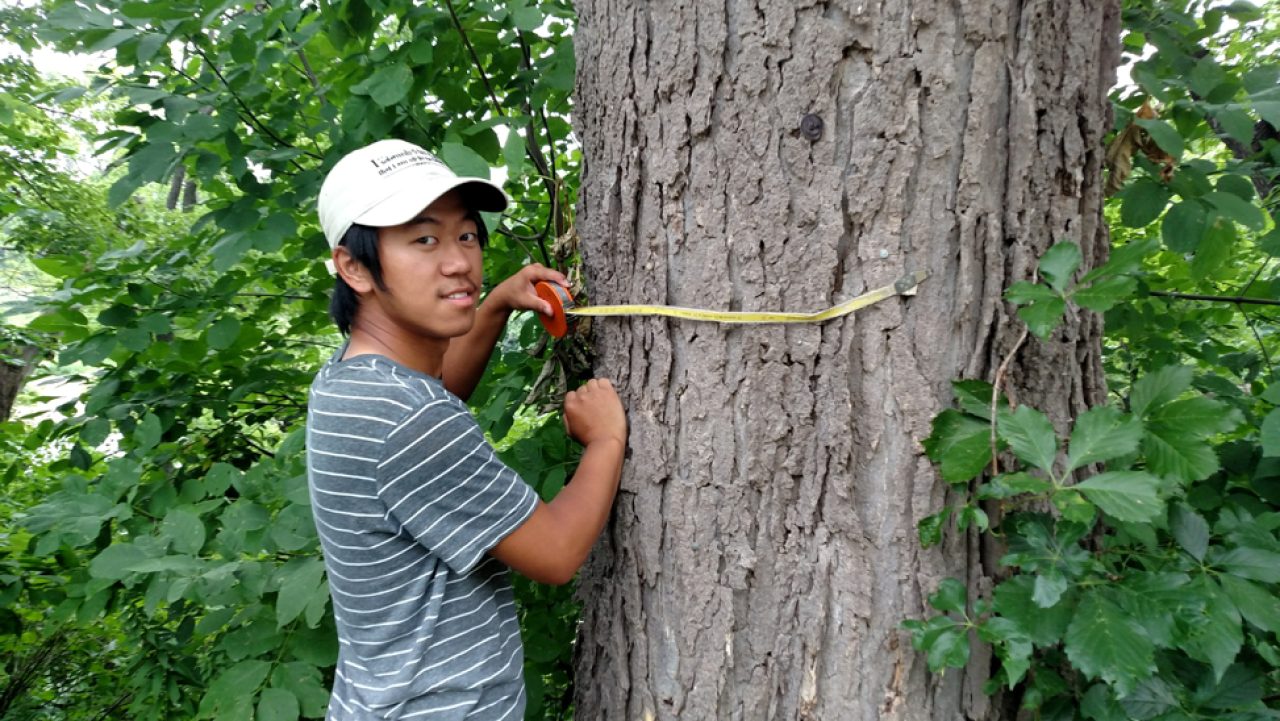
<point x="457" y="261"/>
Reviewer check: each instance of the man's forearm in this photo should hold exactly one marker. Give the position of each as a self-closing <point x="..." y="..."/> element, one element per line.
<point x="468" y="355"/>
<point x="584" y="504"/>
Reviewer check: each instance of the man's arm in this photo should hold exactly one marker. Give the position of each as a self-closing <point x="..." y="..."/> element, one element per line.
<point x="465" y="361"/>
<point x="553" y="543"/>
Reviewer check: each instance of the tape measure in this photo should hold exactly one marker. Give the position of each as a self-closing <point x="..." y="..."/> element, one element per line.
<point x="565" y="310"/>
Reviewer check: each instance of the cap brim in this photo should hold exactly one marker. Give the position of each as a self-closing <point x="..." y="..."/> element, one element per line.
<point x="403" y="206"/>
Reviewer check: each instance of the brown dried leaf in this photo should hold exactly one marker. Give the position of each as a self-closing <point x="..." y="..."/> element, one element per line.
<point x="1119" y="155"/>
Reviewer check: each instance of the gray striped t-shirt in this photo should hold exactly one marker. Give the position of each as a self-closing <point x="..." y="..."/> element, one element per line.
<point x="408" y="497"/>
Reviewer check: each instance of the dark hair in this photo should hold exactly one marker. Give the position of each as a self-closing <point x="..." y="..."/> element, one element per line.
<point x="361" y="241"/>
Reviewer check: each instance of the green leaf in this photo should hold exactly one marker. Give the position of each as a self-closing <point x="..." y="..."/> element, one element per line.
<point x="949" y="650"/>
<point x="223" y="334"/>
<point x="281" y="225"/>
<point x="1251" y="563"/>
<point x="1011" y="644"/>
<point x="1102" y="295"/>
<point x="299" y="579"/>
<point x="1158" y="388"/>
<point x="95" y="432"/>
<point x="930" y="529"/>
<point x="1013" y="599"/>
<point x="1184" y="226"/>
<point x="1150" y="699"/>
<point x="185" y="530"/>
<point x="960" y="443"/>
<point x="1270" y="433"/>
<point x="1143" y="202"/>
<point x="513" y="153"/>
<point x="528" y="18"/>
<point x="1190" y="530"/>
<point x="58" y="266"/>
<point x="1260" y="79"/>
<point x="147" y="434"/>
<point x="149" y="45"/>
<point x="1165" y="135"/>
<point x="1215" y="636"/>
<point x="1031" y="436"/>
<point x="1206" y="75"/>
<point x="1239" y="687"/>
<point x="277" y="704"/>
<point x="1099" y="704"/>
<point x="1216" y="247"/>
<point x="1023" y="292"/>
<point x="951" y="596"/>
<point x="1176" y="454"/>
<point x="134" y="339"/>
<point x="214" y="621"/>
<point x="975" y="397"/>
<point x="234" y="686"/>
<point x="464" y="161"/>
<point x="1074" y="507"/>
<point x="115" y="561"/>
<point x="1101" y="434"/>
<point x="1103" y="643"/>
<point x="1024" y="483"/>
<point x="1050" y="586"/>
<point x="1059" y="263"/>
<point x="1199" y="416"/>
<point x="1237" y="185"/>
<point x="1269" y="110"/>
<point x="1043" y="316"/>
<point x="304" y="681"/>
<point x="228" y="251"/>
<point x="1237" y="123"/>
<point x="390" y="84"/>
<point x="1238" y="209"/>
<point x="1256" y="604"/>
<point x="1125" y="495"/>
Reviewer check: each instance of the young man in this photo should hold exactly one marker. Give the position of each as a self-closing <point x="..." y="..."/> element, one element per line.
<point x="419" y="519"/>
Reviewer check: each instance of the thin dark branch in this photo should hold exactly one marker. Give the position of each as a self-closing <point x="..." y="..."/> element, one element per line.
<point x="1261" y="346"/>
<point x="474" y="58"/>
<point x="259" y="448"/>
<point x="330" y="346"/>
<point x="315" y="82"/>
<point x="274" y="295"/>
<point x="519" y="239"/>
<point x="255" y="121"/>
<point x="35" y="189"/>
<point x="532" y="146"/>
<point x="1216" y="298"/>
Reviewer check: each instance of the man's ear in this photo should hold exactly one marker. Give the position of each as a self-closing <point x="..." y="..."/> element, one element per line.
<point x="351" y="270"/>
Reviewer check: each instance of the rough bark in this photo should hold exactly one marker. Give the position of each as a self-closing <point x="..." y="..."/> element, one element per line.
<point x="13" y="376"/>
<point x="763" y="548"/>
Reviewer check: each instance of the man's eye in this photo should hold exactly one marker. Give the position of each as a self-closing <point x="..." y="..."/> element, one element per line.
<point x="470" y="237"/>
<point x="428" y="240"/>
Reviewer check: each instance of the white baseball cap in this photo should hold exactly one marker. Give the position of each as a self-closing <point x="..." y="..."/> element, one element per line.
<point x="388" y="183"/>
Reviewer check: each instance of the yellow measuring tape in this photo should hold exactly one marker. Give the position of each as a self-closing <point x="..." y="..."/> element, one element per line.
<point x="564" y="306"/>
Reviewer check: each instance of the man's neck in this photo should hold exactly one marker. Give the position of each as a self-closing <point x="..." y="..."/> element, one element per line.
<point x="425" y="355"/>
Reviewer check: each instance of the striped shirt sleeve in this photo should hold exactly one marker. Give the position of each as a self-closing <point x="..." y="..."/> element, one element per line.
<point x="443" y="482"/>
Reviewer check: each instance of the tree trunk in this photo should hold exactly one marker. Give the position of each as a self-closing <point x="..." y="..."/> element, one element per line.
<point x="14" y="375"/>
<point x="763" y="548"/>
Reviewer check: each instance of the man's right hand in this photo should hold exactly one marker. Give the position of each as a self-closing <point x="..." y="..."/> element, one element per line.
<point x="550" y="546"/>
<point x="594" y="413"/>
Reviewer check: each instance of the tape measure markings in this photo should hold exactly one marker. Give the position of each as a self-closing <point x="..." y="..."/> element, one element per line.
<point x="563" y="305"/>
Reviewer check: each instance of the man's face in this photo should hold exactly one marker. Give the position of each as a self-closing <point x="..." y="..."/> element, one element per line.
<point x="433" y="268"/>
